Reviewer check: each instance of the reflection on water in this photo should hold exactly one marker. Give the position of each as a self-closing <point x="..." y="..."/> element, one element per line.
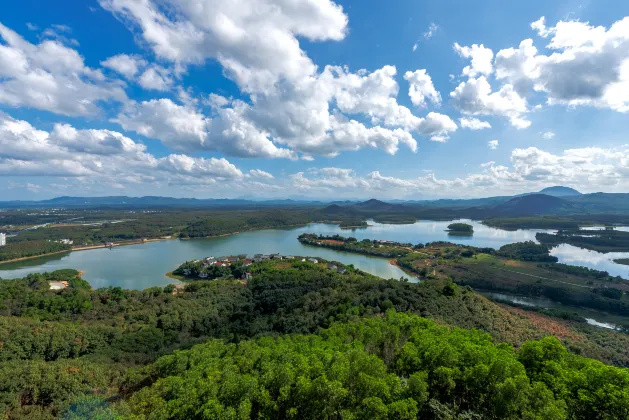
<point x="569" y="254"/>
<point x="551" y="304"/>
<point x="142" y="266"/>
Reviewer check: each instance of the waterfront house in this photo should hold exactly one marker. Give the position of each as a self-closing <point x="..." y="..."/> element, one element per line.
<point x="332" y="267"/>
<point x="342" y="270"/>
<point x="233" y="259"/>
<point x="313" y="260"/>
<point x="203" y="275"/>
<point x="246" y="263"/>
<point x="187" y="271"/>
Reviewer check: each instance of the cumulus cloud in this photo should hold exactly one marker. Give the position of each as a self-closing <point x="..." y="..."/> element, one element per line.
<point x="126" y="65"/>
<point x="473" y="123"/>
<point x="421" y="88"/>
<point x="493" y="144"/>
<point x="586" y="65"/>
<point x="155" y="78"/>
<point x="481" y="59"/>
<point x="105" y="156"/>
<point x="51" y="77"/>
<point x="290" y="102"/>
<point x="191" y="32"/>
<point x="474" y="97"/>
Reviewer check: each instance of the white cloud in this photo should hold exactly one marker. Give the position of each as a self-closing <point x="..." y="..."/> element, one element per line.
<point x="216" y="29"/>
<point x="51" y="77"/>
<point x="540" y="27"/>
<point x="421" y="88"/>
<point x="530" y="170"/>
<point x="126" y="65"/>
<point x="474" y="97"/>
<point x="473" y="123"/>
<point x="260" y="174"/>
<point x="155" y="78"/>
<point x="185" y="129"/>
<point x="102" y="156"/>
<point x="493" y="144"/>
<point x="480" y="56"/>
<point x="548" y="135"/>
<point x="437" y="126"/>
<point x="290" y="102"/>
<point x="586" y="65"/>
<point x="368" y="93"/>
<point x="96" y="158"/>
<point x="200" y="167"/>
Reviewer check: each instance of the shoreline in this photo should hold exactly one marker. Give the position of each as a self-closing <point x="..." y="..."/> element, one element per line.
<point x="140" y="242"/>
<point x="34" y="256"/>
<point x="86" y="248"/>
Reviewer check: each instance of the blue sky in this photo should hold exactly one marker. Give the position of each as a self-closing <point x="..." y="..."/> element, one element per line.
<point x="345" y="99"/>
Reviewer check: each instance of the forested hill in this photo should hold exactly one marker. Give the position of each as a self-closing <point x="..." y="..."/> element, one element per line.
<point x="74" y="353"/>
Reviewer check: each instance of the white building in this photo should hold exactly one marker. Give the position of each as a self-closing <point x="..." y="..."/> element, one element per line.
<point x="3" y="239"/>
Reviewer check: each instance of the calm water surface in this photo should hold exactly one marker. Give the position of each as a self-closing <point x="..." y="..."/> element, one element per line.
<point x="142" y="266"/>
<point x="595" y="318"/>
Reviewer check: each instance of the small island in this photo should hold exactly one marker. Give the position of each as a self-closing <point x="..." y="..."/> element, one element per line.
<point x="623" y="261"/>
<point x="353" y="224"/>
<point x="460" y="229"/>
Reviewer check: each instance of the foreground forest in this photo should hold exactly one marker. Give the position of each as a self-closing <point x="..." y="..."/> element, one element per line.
<point x="79" y="353"/>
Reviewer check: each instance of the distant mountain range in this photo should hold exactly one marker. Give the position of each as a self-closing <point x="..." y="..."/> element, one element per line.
<point x="555" y="200"/>
<point x="560" y="191"/>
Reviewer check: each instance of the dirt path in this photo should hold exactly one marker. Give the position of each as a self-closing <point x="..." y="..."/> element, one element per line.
<point x="544" y="278"/>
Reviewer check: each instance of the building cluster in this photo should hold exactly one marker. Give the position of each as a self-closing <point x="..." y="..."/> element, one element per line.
<point x="66" y="241"/>
<point x="246" y="261"/>
<point x="3" y="239"/>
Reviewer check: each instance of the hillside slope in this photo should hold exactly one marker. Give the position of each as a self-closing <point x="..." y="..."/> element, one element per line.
<point x="534" y="204"/>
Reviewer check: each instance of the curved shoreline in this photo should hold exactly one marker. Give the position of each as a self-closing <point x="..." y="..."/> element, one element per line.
<point x="140" y="242"/>
<point x="35" y="256"/>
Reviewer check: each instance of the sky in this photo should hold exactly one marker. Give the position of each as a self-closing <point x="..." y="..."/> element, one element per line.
<point x="312" y="98"/>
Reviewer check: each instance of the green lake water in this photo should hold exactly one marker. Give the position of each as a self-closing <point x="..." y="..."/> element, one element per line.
<point x="145" y="265"/>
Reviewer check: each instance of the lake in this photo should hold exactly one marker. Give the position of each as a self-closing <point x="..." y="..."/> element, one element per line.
<point x="145" y="265"/>
<point x="595" y="318"/>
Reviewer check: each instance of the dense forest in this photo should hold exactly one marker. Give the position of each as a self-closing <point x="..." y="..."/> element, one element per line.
<point x="399" y="367"/>
<point x="607" y="240"/>
<point x="13" y="250"/>
<point x="70" y="351"/>
<point x="527" y="251"/>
